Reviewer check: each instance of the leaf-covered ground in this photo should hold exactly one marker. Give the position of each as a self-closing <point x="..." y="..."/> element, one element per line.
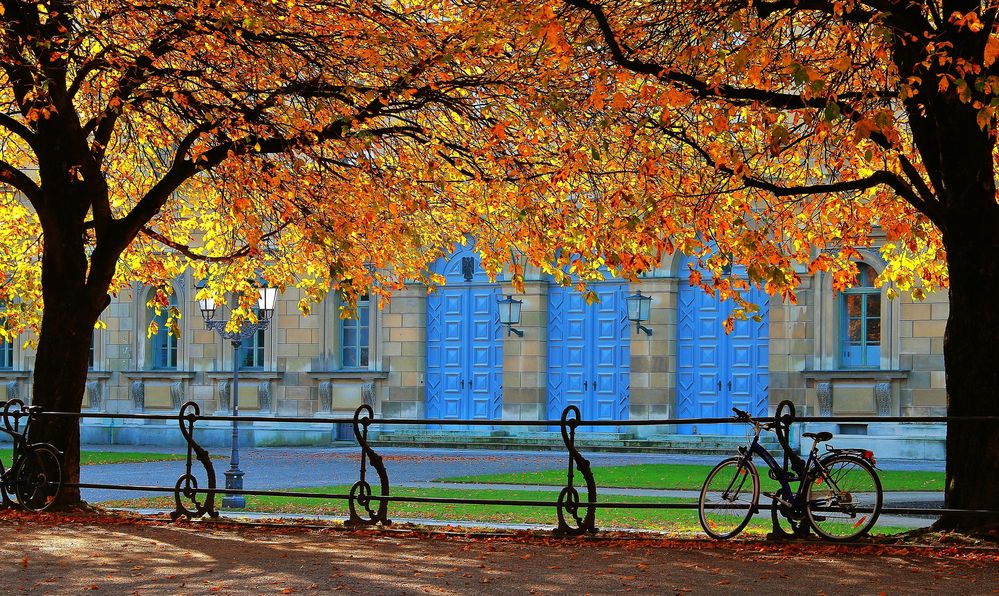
<point x="678" y="521"/>
<point x="118" y="555"/>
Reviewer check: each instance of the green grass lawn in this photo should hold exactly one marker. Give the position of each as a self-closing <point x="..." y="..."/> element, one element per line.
<point x="90" y="458"/>
<point x="670" y="520"/>
<point x="684" y="477"/>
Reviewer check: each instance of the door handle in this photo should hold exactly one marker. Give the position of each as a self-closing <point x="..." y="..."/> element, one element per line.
<point x="461" y="384"/>
<point x="584" y="385"/>
<point x="730" y="385"/>
<point x="719" y="385"/>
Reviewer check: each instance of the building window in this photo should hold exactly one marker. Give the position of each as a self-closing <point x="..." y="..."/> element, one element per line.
<point x="163" y="344"/>
<point x="860" y="326"/>
<point x="6" y="354"/>
<point x="251" y="353"/>
<point x="90" y="354"/>
<point x="6" y="347"/>
<point x="354" y="336"/>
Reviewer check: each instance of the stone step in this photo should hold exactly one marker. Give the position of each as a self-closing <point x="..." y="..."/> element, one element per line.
<point x="605" y="442"/>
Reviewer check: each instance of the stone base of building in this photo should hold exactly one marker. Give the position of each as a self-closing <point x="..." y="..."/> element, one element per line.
<point x="902" y="440"/>
<point x="213" y="435"/>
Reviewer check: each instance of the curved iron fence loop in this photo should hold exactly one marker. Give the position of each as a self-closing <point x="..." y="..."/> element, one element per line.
<point x="568" y="499"/>
<point x="782" y="428"/>
<point x="187" y="484"/>
<point x="784" y="417"/>
<point x="11" y="415"/>
<point x="360" y="492"/>
<point x="12" y="412"/>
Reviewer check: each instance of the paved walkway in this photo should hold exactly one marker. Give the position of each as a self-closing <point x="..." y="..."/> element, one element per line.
<point x="302" y="468"/>
<point x="104" y="557"/>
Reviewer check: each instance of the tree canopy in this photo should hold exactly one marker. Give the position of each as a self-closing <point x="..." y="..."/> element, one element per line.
<point x="794" y="131"/>
<point x="345" y="145"/>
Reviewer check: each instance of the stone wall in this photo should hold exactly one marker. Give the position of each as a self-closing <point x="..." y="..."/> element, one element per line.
<point x="302" y="376"/>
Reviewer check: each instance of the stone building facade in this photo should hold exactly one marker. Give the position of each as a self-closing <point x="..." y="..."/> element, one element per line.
<point x="444" y="355"/>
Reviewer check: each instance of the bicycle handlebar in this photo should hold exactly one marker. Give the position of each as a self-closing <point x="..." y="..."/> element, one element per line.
<point x="745" y="417"/>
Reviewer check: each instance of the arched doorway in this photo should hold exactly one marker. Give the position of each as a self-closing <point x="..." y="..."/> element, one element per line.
<point x="718" y="371"/>
<point x="464" y="343"/>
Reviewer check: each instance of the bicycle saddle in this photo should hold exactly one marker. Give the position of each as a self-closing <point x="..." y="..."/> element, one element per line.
<point x="822" y="436"/>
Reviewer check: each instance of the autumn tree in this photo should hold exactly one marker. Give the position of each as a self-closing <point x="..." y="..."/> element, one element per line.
<point x="786" y="132"/>
<point x="322" y="145"/>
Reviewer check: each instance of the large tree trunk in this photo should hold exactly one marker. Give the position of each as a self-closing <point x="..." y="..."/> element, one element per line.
<point x="60" y="376"/>
<point x="72" y="307"/>
<point x="971" y="351"/>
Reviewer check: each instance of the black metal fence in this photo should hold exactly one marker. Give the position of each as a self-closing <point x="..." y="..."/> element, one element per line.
<point x="370" y="496"/>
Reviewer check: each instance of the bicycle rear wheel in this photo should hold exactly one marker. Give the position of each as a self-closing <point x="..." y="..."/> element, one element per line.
<point x="39" y="477"/>
<point x="845" y="500"/>
<point x="728" y="498"/>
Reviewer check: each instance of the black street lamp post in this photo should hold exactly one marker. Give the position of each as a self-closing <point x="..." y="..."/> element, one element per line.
<point x="265" y="306"/>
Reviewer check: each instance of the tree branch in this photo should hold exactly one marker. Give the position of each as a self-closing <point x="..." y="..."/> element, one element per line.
<point x="786" y="101"/>
<point x="20" y="181"/>
<point x="188" y="252"/>
<point x="103" y="124"/>
<point x="20" y="130"/>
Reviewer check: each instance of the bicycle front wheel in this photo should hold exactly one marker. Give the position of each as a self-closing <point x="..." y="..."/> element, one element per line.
<point x="39" y="477"/>
<point x="729" y="498"/>
<point x="844" y="498"/>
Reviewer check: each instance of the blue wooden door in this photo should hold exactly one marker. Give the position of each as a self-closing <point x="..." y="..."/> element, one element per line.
<point x="464" y="345"/>
<point x="715" y="371"/>
<point x="589" y="354"/>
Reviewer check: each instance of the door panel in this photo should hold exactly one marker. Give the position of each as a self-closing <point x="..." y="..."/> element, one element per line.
<point x="588" y="354"/>
<point x="715" y="371"/>
<point x="486" y="361"/>
<point x="464" y="354"/>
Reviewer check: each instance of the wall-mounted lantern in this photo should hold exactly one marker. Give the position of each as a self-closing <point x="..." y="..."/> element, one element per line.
<point x="638" y="311"/>
<point x="509" y="314"/>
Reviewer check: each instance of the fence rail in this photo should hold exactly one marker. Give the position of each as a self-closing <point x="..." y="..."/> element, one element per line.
<point x="368" y="501"/>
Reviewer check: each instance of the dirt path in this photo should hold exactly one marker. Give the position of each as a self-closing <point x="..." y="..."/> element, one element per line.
<point x="101" y="556"/>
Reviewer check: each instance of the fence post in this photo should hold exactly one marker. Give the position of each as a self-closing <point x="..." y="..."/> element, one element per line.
<point x="360" y="492"/>
<point x="568" y="499"/>
<point x="783" y="418"/>
<point x="187" y="484"/>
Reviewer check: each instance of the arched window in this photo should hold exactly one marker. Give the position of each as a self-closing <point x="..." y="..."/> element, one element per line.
<point x="163" y="344"/>
<point x="860" y="322"/>
<point x="354" y="336"/>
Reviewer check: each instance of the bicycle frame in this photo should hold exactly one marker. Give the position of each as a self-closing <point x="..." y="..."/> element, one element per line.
<point x="790" y="497"/>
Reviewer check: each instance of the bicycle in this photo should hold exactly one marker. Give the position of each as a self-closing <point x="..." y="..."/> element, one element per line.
<point x="839" y="494"/>
<point x="35" y="474"/>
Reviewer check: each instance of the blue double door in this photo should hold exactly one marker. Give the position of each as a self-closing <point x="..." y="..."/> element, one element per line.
<point x="589" y="356"/>
<point x="464" y="354"/>
<point x="718" y="371"/>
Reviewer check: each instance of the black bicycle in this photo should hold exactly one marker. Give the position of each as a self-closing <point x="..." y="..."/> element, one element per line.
<point x="34" y="477"/>
<point x="839" y="494"/>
